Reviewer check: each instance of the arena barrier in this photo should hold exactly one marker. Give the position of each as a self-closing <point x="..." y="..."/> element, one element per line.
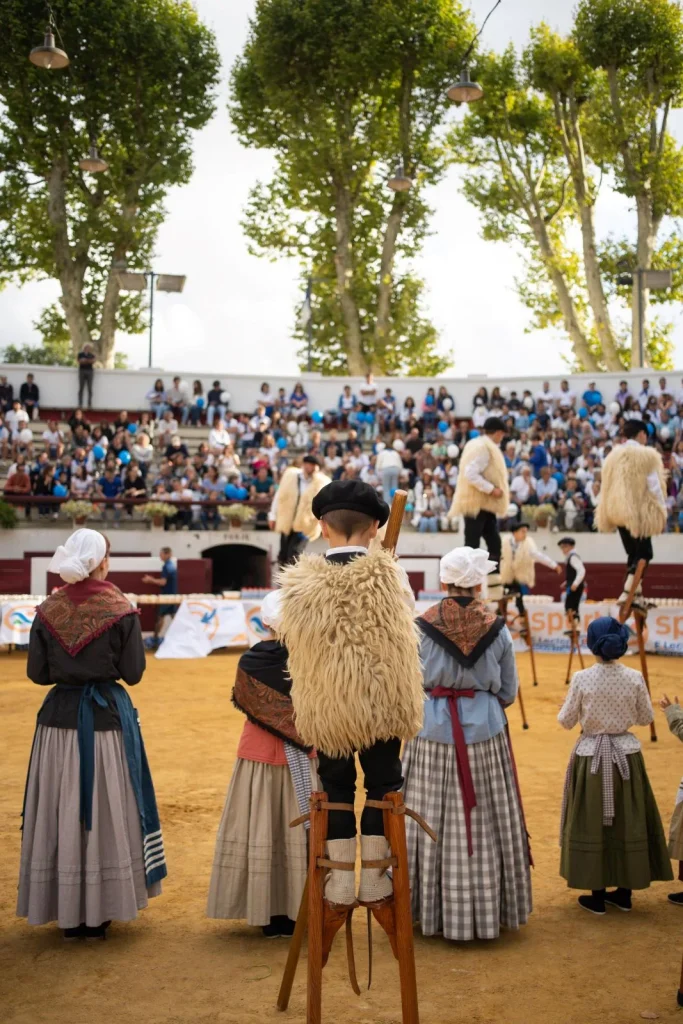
<point x="205" y="622"/>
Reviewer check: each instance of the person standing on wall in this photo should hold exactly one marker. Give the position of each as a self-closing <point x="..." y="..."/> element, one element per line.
<point x="86" y="363"/>
<point x="168" y="584"/>
<point x="291" y="513"/>
<point x="482" y="495"/>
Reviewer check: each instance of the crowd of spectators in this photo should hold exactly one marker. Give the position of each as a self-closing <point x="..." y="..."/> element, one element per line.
<point x="555" y="445"/>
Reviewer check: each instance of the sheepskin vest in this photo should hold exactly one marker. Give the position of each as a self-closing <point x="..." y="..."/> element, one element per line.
<point x="294" y="514"/>
<point x="469" y="501"/>
<point x="625" y="499"/>
<point x="353" y="653"/>
<point x="517" y="564"/>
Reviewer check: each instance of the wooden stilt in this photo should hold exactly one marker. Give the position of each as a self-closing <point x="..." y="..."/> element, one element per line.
<point x="395" y="829"/>
<point x="572" y="638"/>
<point x="294" y="952"/>
<point x="316" y="892"/>
<point x="680" y="989"/>
<point x="640" y="619"/>
<point x="625" y="609"/>
<point x="525" y="724"/>
<point x="530" y="642"/>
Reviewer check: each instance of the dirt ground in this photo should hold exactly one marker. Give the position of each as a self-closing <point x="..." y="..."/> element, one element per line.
<point x="175" y="966"/>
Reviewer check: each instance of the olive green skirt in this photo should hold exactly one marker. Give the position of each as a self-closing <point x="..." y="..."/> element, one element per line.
<point x="632" y="851"/>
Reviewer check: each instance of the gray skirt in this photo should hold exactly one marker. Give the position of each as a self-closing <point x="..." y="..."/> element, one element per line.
<point x="69" y="875"/>
<point x="458" y="896"/>
<point x="260" y="863"/>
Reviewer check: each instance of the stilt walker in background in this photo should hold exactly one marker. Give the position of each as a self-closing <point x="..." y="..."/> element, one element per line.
<point x="518" y="574"/>
<point x="260" y="863"/>
<point x="482" y="495"/>
<point x="633" y="500"/>
<point x="674" y="717"/>
<point x="291" y="511"/>
<point x="460" y="772"/>
<point x="575" y="579"/>
<point x="347" y="622"/>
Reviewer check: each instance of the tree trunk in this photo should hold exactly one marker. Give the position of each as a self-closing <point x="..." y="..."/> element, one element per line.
<point x="570" y="316"/>
<point x="355" y="357"/>
<point x="70" y="265"/>
<point x="385" y="286"/>
<point x="647" y="234"/>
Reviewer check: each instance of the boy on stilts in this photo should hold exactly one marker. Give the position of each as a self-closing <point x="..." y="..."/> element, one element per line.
<point x="633" y="500"/>
<point x="518" y="563"/>
<point x="347" y="622"/>
<point x="482" y="495"/>
<point x="575" y="579"/>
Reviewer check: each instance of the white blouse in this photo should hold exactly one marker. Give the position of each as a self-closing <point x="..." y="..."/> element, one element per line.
<point x="607" y="698"/>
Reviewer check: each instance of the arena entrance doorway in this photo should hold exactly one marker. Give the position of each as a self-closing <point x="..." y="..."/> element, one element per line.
<point x="235" y="566"/>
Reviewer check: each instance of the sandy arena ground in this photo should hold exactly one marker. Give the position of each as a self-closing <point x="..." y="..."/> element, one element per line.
<point x="176" y="967"/>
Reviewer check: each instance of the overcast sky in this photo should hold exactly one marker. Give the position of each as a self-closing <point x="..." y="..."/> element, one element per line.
<point x="235" y="314"/>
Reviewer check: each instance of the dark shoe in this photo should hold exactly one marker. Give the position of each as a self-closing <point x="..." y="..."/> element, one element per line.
<point x="279" y="925"/>
<point x="74" y="933"/>
<point x="100" y="932"/>
<point x="619" y="899"/>
<point x="592" y="905"/>
<point x="676" y="898"/>
<point x="679" y="998"/>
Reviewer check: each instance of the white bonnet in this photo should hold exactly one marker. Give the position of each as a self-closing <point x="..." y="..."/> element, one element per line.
<point x="465" y="567"/>
<point x="83" y="552"/>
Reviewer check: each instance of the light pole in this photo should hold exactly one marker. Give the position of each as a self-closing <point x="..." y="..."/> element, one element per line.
<point x="642" y="279"/>
<point x="135" y="281"/>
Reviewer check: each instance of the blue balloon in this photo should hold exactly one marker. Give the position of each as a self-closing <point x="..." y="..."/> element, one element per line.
<point x="429" y="400"/>
<point x="650" y="429"/>
<point x="281" y="443"/>
<point x="392" y="492"/>
<point x="124" y="457"/>
<point x="59" y="491"/>
<point x="132" y="428"/>
<point x="559" y="477"/>
<point x="360" y="417"/>
<point x="473" y="433"/>
<point x="443" y="426"/>
<point x="317" y="417"/>
<point x="199" y="402"/>
<point x="583" y="413"/>
<point x="99" y="452"/>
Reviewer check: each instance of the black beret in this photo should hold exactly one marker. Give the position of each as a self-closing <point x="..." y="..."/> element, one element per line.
<point x="494" y="424"/>
<point x="353" y="495"/>
<point x="566" y="540"/>
<point x="313" y="460"/>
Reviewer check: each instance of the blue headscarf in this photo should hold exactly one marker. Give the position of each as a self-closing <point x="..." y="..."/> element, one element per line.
<point x="607" y="638"/>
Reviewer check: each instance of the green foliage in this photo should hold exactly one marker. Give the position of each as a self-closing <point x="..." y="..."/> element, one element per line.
<point x="340" y="90"/>
<point x="8" y="516"/>
<point x="140" y="82"/>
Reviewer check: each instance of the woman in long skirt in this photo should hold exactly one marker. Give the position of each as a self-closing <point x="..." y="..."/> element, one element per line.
<point x="460" y="773"/>
<point x="611" y="831"/>
<point x="260" y="863"/>
<point x="92" y="849"/>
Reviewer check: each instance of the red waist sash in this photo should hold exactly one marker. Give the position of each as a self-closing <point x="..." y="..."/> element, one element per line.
<point x="469" y="797"/>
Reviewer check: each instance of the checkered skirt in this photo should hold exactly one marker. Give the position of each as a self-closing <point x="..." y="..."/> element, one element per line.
<point x="455" y="895"/>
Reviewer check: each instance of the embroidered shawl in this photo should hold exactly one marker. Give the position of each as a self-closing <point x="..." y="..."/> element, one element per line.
<point x="80" y="612"/>
<point x="464" y="626"/>
<point x="261" y="691"/>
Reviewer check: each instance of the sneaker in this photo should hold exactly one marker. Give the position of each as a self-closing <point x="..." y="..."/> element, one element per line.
<point x="592" y="905"/>
<point x="676" y="898"/>
<point x="619" y="900"/>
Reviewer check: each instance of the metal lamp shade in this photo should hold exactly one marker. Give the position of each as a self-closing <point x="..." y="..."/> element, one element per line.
<point x="465" y="90"/>
<point x="400" y="182"/>
<point x="48" y="55"/>
<point x="93" y="162"/>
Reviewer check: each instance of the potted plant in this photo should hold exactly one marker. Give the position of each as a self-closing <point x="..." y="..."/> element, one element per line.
<point x="158" y="512"/>
<point x="78" y="511"/>
<point x="544" y="515"/>
<point x="8" y="516"/>
<point x="238" y="515"/>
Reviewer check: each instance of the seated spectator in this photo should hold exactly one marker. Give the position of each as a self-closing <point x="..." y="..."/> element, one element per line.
<point x="19" y="483"/>
<point x="425" y="459"/>
<point x="81" y="484"/>
<point x="445" y="402"/>
<point x="408" y="410"/>
<point x="77" y="419"/>
<point x="197" y="404"/>
<point x="217" y="407"/>
<point x="429" y="409"/>
<point x="177" y="399"/>
<point x="546" y="487"/>
<point x="539" y="456"/>
<point x="120" y="443"/>
<point x="591" y="396"/>
<point x="479" y="416"/>
<point x="4" y="438"/>
<point x="16" y="419"/>
<point x="110" y="486"/>
<point x="512" y="459"/>
<point x="546" y="396"/>
<point x="133" y="485"/>
<point x="29" y="396"/>
<point x="386" y="410"/>
<point x="146" y="425"/>
<point x="219" y="438"/>
<point x="429" y="507"/>
<point x="234" y="491"/>
<point x="266" y="399"/>
<point x="176" y="447"/>
<point x="6" y="395"/>
<point x="122" y="421"/>
<point x="282" y="402"/>
<point x="623" y="393"/>
<point x="180" y="492"/>
<point x="167" y="426"/>
<point x="566" y="398"/>
<point x="367" y="393"/>
<point x="143" y="453"/>
<point x="157" y="399"/>
<point x="54" y="440"/>
<point x="43" y="487"/>
<point x="345" y="405"/>
<point x="523" y="488"/>
<point x="481" y="398"/>
<point x="298" y="401"/>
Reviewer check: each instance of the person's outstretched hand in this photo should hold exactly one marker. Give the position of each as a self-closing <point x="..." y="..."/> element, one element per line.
<point x="666" y="703"/>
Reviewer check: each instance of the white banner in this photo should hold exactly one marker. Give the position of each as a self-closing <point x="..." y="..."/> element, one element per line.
<point x="16" y="619"/>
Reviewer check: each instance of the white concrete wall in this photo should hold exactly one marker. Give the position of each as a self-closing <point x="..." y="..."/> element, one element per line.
<point x="126" y="389"/>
